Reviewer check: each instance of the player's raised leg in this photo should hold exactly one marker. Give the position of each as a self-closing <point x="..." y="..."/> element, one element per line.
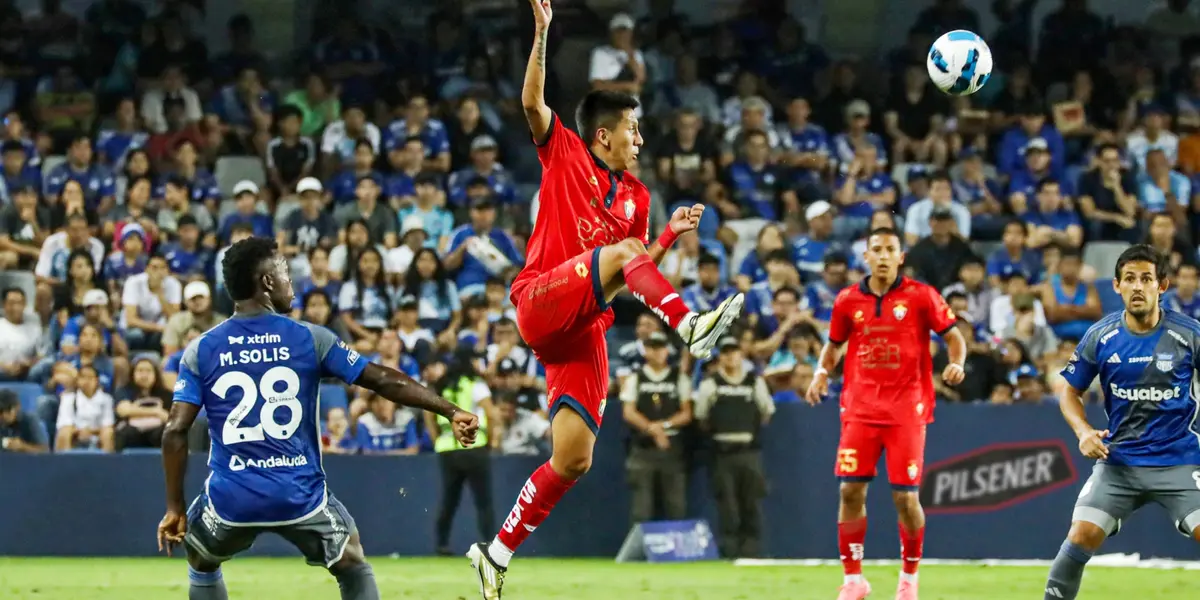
<point x="630" y="264"/>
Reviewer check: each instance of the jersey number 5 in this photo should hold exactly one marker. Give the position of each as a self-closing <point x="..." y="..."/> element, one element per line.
<point x="848" y="460"/>
<point x="267" y="425"/>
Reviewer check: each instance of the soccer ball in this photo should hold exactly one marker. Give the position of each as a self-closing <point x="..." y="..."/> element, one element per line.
<point x="959" y="63"/>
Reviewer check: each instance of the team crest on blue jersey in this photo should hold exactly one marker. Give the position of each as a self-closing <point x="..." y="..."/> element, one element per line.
<point x="899" y="311"/>
<point x="1165" y="362"/>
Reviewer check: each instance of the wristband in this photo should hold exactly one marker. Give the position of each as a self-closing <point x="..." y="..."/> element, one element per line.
<point x="668" y="237"/>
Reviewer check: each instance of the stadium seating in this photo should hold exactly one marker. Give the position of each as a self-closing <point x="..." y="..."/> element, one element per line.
<point x="27" y="393"/>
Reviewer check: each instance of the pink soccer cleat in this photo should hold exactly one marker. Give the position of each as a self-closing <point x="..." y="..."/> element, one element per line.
<point x="855" y="590"/>
<point x="907" y="590"/>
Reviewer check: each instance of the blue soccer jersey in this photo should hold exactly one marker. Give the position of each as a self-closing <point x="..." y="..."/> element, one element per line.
<point x="258" y="377"/>
<point x="1147" y="381"/>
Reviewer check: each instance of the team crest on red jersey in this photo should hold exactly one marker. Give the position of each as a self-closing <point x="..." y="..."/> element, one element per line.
<point x="899" y="311"/>
<point x="592" y="180"/>
<point x="913" y="471"/>
<point x="858" y="316"/>
<point x="629" y="208"/>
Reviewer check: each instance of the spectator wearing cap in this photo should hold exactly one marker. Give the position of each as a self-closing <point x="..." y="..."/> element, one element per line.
<point x="339" y="142"/>
<point x="619" y="65"/>
<point x="245" y="197"/>
<point x="753" y="118"/>
<point x="97" y="181"/>
<point x="820" y="294"/>
<point x="758" y="189"/>
<point x="511" y="378"/>
<point x="936" y="258"/>
<point x="861" y="189"/>
<point x="1153" y="134"/>
<point x="810" y="249"/>
<point x="1038" y="167"/>
<point x="53" y="258"/>
<point x="149" y="300"/>
<point x="24" y="227"/>
<point x="433" y="134"/>
<point x="95" y="313"/>
<point x="17" y="173"/>
<point x="197" y="299"/>
<point x="656" y="404"/>
<point x="405" y="158"/>
<point x="732" y="405"/>
<point x="177" y="196"/>
<point x="917" y="186"/>
<point x="1051" y="221"/>
<point x="21" y="332"/>
<point x="632" y="355"/>
<point x="380" y="219"/>
<point x="343" y="188"/>
<point x="114" y="143"/>
<point x="1013" y="256"/>
<point x="709" y="290"/>
<point x="307" y="227"/>
<point x="980" y="194"/>
<point x="478" y="250"/>
<point x="245" y="108"/>
<point x="1028" y="386"/>
<point x="186" y="256"/>
<point x="940" y="200"/>
<point x="129" y="260"/>
<point x="1108" y="198"/>
<point x="417" y="340"/>
<point x="290" y="157"/>
<point x="1031" y="125"/>
<point x="200" y="183"/>
<point x="413" y="238"/>
<point x="20" y="431"/>
<point x="436" y="221"/>
<point x="914" y="120"/>
<point x="1163" y="190"/>
<point x="484" y="150"/>
<point x="857" y="120"/>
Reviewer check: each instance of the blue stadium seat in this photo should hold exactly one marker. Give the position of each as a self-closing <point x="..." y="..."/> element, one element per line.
<point x="333" y="395"/>
<point x="27" y="393"/>
<point x="1110" y="300"/>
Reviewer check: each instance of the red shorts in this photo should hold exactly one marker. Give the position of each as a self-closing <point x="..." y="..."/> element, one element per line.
<point x="863" y="443"/>
<point x="562" y="315"/>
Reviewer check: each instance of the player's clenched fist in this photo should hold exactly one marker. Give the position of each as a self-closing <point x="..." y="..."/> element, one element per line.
<point x="1091" y="444"/>
<point x="465" y="427"/>
<point x="953" y="374"/>
<point x="542" y="13"/>
<point x="686" y="219"/>
<point x="818" y="388"/>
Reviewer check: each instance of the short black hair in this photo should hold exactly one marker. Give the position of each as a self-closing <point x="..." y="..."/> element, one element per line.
<point x="1102" y="148"/>
<point x="243" y="263"/>
<point x="9" y="290"/>
<point x="708" y="259"/>
<point x="8" y="400"/>
<point x="883" y="231"/>
<point x="1065" y="252"/>
<point x="753" y="133"/>
<point x="940" y="175"/>
<point x="1143" y="253"/>
<point x="601" y="109"/>
<point x="241" y="227"/>
<point x="972" y="259"/>
<point x="954" y="295"/>
<point x="836" y="258"/>
<point x="777" y="256"/>
<point x="12" y="146"/>
<point x="1178" y="270"/>
<point x="360" y="142"/>
<point x="1041" y="184"/>
<point x="786" y="290"/>
<point x="288" y="111"/>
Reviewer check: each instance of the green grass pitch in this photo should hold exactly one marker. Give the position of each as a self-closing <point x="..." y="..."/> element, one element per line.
<point x="545" y="579"/>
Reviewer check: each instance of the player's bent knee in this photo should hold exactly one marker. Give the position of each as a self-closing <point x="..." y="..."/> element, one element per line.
<point x="571" y="466"/>
<point x="853" y="494"/>
<point x="1086" y="535"/>
<point x="906" y="501"/>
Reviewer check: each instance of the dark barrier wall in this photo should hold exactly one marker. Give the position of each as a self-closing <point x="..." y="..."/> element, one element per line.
<point x="1000" y="483"/>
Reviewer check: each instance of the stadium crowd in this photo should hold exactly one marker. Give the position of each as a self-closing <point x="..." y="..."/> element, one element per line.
<point x="398" y="179"/>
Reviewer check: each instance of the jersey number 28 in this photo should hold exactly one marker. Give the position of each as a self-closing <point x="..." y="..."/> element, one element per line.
<point x="267" y="425"/>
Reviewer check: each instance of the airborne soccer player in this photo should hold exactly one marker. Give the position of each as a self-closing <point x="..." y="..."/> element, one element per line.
<point x="883" y="323"/>
<point x="1149" y="451"/>
<point x="257" y="375"/>
<point x="589" y="242"/>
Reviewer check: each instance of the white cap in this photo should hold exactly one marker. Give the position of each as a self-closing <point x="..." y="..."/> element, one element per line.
<point x="621" y="21"/>
<point x="194" y="289"/>
<point x="245" y="186"/>
<point x="484" y="142"/>
<point x="309" y="184"/>
<point x="411" y="223"/>
<point x="94" y="298"/>
<point x="817" y="209"/>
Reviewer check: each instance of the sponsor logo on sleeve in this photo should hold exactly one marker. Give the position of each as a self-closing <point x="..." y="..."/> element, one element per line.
<point x="996" y="476"/>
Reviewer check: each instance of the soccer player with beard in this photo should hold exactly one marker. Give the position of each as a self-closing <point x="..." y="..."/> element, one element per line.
<point x="589" y="242"/>
<point x="883" y="324"/>
<point x="1146" y="357"/>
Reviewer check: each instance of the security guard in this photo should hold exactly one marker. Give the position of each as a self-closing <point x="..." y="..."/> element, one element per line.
<point x="657" y="403"/>
<point x="464" y="387"/>
<point x="732" y="405"/>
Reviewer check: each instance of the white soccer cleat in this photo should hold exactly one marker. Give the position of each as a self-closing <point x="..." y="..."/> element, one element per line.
<point x="491" y="575"/>
<point x="701" y="331"/>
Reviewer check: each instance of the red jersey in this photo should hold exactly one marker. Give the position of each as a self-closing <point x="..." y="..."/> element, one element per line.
<point x="581" y="204"/>
<point x="888" y="370"/>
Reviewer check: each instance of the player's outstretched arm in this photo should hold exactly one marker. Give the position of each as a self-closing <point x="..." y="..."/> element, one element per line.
<point x="402" y="389"/>
<point x="533" y="94"/>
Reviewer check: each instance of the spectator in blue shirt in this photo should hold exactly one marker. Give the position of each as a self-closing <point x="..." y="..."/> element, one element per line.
<point x="708" y="292"/>
<point x="186" y="257"/>
<point x="406" y="158"/>
<point x="1053" y="222"/>
<point x="130" y="260"/>
<point x="14" y="131"/>
<point x="17" y="173"/>
<point x="202" y="186"/>
<point x="807" y="142"/>
<point x="781" y="273"/>
<point x="1024" y="182"/>
<point x="846" y="144"/>
<point x="819" y="294"/>
<point x="760" y="190"/>
<point x="1183" y="297"/>
<point x="484" y="150"/>
<point x="97" y="181"/>
<point x="351" y="59"/>
<point x="1013" y="256"/>
<point x="861" y="189"/>
<point x="96" y="314"/>
<point x="437" y="222"/>
<point x="1032" y="125"/>
<point x="810" y="249"/>
<point x="245" y="194"/>
<point x="20" y="431"/>
<point x="343" y="188"/>
<point x="980" y="194"/>
<point x="491" y="254"/>
<point x="112" y="145"/>
<point x="753" y="268"/>
<point x="438" y="306"/>
<point x="385" y="430"/>
<point x="1162" y="190"/>
<point x="917" y="187"/>
<point x="246" y="107"/>
<point x="416" y="122"/>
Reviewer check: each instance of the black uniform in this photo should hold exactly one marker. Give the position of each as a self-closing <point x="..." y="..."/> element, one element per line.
<point x="658" y="397"/>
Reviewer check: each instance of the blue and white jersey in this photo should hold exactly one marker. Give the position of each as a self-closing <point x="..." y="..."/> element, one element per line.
<point x="700" y="299"/>
<point x="258" y="378"/>
<point x="115" y="145"/>
<point x="1175" y="302"/>
<point x="1149" y="383"/>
